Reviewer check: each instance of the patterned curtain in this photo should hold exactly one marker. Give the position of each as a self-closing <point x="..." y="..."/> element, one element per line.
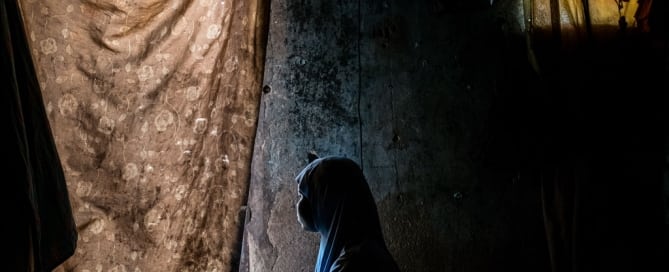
<point x="153" y="105"/>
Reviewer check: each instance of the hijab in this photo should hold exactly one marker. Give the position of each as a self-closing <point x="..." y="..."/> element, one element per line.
<point x="335" y="201"/>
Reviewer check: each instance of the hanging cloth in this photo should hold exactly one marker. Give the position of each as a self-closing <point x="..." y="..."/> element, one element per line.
<point x="41" y="226"/>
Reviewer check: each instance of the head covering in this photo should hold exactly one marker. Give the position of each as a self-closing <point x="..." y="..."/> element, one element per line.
<point x="336" y="201"/>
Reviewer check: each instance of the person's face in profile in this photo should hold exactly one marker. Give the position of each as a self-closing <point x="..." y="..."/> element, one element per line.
<point x="304" y="208"/>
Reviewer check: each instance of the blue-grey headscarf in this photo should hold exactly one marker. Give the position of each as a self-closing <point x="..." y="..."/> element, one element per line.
<point x="337" y="203"/>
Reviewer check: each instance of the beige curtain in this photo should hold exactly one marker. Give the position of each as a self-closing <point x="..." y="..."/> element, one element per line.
<point x="153" y="105"/>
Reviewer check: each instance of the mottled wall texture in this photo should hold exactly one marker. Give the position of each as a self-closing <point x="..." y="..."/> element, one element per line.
<point x="490" y="142"/>
<point x="153" y="106"/>
<point x="407" y="90"/>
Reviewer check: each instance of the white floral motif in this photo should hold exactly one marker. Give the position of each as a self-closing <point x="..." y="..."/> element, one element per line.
<point x="170" y="244"/>
<point x="192" y="93"/>
<point x="65" y="32"/>
<point x="213" y="31"/>
<point x="194" y="48"/>
<point x="214" y="266"/>
<point x="67" y="105"/>
<point x="97" y="226"/>
<point x="130" y="171"/>
<point x="151" y="219"/>
<point x="48" y="46"/>
<point x="148" y="168"/>
<point x="106" y="125"/>
<point x="84" y="188"/>
<point x="221" y="163"/>
<point x="145" y="73"/>
<point x="179" y="194"/>
<point x="163" y="120"/>
<point x="200" y="125"/>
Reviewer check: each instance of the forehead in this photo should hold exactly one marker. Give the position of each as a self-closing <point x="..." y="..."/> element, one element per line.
<point x="303" y="178"/>
<point x="306" y="171"/>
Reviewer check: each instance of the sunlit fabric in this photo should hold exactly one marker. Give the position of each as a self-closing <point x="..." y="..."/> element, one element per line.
<point x="337" y="203"/>
<point x="569" y="24"/>
<point x="570" y="13"/>
<point x="153" y="106"/>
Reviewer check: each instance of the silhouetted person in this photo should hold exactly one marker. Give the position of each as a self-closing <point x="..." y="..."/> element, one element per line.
<point x="336" y="202"/>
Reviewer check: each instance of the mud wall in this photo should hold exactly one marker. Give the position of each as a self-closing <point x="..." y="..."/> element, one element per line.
<point x="408" y="90"/>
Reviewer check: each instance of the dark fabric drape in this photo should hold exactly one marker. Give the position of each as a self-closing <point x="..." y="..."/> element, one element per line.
<point x="600" y="157"/>
<point x="41" y="227"/>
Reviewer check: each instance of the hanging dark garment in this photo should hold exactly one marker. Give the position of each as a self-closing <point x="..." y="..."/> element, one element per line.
<point x="337" y="202"/>
<point x="600" y="158"/>
<point x="38" y="217"/>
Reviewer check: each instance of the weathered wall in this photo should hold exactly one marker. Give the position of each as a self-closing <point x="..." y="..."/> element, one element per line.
<point x="408" y="90"/>
<point x="309" y="103"/>
<point x="457" y="131"/>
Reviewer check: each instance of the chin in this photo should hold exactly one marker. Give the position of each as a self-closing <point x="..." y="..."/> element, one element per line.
<point x="305" y="226"/>
<point x="309" y="228"/>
